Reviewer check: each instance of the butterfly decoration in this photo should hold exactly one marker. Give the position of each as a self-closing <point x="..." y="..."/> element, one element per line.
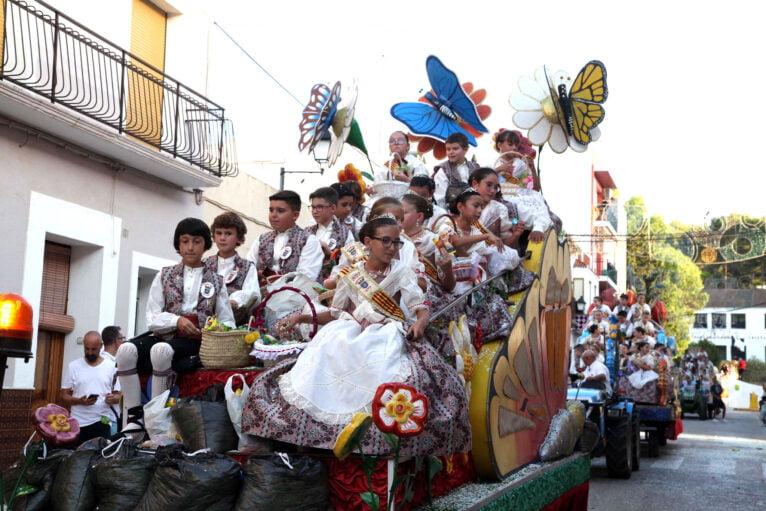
<point x="341" y="126"/>
<point x="425" y="144"/>
<point x="447" y="105"/>
<point x="318" y="114"/>
<point x="559" y="110"/>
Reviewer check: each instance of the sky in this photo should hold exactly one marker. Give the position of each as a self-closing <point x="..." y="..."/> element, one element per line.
<point x="684" y="124"/>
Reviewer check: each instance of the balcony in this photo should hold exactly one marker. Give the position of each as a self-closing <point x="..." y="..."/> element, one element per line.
<point x="605" y="222"/>
<point x="153" y="122"/>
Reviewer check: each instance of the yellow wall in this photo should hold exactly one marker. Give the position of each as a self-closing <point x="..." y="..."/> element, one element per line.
<point x="147" y="41"/>
<point x="2" y="33"/>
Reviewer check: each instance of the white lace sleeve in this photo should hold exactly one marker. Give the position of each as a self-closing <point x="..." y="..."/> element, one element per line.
<point x="412" y="296"/>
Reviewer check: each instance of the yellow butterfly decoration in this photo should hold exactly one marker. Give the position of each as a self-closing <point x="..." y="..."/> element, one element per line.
<point x="559" y="111"/>
<point x="579" y="108"/>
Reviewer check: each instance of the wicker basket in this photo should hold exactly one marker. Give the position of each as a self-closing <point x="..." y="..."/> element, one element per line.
<point x="224" y="350"/>
<point x="393" y="189"/>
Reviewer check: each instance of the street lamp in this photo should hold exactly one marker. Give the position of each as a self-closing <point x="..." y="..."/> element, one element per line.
<point x="321" y="154"/>
<point x="580" y="305"/>
<point x="15" y="330"/>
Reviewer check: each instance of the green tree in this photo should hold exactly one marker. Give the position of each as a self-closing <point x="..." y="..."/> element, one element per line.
<point x="662" y="271"/>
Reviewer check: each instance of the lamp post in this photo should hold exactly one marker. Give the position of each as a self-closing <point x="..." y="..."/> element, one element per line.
<point x="15" y="330"/>
<point x="580" y="305"/>
<point x="321" y="154"/>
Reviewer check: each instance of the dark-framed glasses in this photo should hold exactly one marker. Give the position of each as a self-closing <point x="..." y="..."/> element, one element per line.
<point x="387" y="242"/>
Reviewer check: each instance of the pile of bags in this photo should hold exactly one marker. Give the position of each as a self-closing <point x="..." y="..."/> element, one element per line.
<point x="120" y="477"/>
<point x="188" y="470"/>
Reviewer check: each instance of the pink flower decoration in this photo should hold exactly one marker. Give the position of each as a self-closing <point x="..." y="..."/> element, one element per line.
<point x="55" y="425"/>
<point x="530" y="182"/>
<point x="399" y="409"/>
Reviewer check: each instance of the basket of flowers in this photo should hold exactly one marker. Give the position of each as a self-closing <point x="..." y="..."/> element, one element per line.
<point x="271" y="341"/>
<point x="223" y="347"/>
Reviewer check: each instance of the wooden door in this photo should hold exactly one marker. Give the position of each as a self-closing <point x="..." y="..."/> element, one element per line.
<point x="49" y="361"/>
<point x="53" y="324"/>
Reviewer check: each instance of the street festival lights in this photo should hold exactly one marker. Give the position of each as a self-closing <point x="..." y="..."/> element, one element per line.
<point x="321" y="154"/>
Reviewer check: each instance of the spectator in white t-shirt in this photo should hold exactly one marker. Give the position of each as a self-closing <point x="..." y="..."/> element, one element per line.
<point x="596" y="374"/>
<point x="112" y="337"/>
<point x="91" y="389"/>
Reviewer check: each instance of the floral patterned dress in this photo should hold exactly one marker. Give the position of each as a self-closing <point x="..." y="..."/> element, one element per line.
<point x="309" y="399"/>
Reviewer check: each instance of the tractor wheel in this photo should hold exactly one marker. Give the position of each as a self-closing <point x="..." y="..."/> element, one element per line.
<point x="619" y="452"/>
<point x="636" y="447"/>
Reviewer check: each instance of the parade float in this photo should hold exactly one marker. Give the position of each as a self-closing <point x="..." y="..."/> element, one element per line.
<point x="523" y="453"/>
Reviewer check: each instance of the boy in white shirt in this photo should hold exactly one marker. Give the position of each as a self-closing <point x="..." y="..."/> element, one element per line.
<point x="181" y="299"/>
<point x="457" y="169"/>
<point x="331" y="233"/>
<point x="239" y="274"/>
<point x="287" y="248"/>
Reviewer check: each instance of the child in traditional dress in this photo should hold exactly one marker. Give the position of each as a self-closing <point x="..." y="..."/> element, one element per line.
<point x="424" y="186"/>
<point x="344" y="208"/>
<point x="287" y="248"/>
<point x="181" y="299"/>
<point x="494" y="215"/>
<point x="437" y="263"/>
<point x="360" y="211"/>
<point x="531" y="206"/>
<point x="355" y="252"/>
<point x="470" y="239"/>
<point x="240" y="275"/>
<point x="331" y="233"/>
<point x="457" y="169"/>
<point x="308" y="400"/>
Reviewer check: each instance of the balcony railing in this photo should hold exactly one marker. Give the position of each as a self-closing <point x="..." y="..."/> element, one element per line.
<point x="50" y="54"/>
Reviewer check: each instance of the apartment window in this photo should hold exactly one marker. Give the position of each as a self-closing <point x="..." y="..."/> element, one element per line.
<point x="719" y="320"/>
<point x="738" y="321"/>
<point x="700" y="320"/>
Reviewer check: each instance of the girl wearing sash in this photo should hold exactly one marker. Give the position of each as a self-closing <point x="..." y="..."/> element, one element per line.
<point x="437" y="263"/>
<point x="355" y="252"/>
<point x="308" y="400"/>
<point x="494" y="215"/>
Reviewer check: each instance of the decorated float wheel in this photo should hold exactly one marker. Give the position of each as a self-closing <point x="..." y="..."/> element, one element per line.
<point x="520" y="383"/>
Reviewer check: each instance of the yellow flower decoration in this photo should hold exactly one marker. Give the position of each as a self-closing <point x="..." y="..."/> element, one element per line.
<point x="59" y="422"/>
<point x="352" y="435"/>
<point x="252" y="337"/>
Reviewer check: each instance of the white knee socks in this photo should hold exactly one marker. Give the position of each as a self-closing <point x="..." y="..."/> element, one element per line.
<point x="162" y="357"/>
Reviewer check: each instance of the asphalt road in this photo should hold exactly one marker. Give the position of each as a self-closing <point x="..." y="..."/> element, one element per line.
<point x="713" y="465"/>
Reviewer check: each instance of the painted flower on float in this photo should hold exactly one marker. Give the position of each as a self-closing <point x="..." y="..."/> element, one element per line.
<point x="399" y="409"/>
<point x="54" y="424"/>
<point x="352" y="435"/>
<point x="425" y="144"/>
<point x="536" y="111"/>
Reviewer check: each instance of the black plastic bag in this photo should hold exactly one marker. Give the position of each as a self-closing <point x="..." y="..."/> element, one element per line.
<point x="204" y="425"/>
<point x="199" y="482"/>
<point x="40" y="475"/>
<point x="121" y="483"/>
<point x="294" y="483"/>
<point x="74" y="488"/>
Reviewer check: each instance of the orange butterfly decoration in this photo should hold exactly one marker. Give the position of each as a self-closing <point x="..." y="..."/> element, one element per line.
<point x="438" y="147"/>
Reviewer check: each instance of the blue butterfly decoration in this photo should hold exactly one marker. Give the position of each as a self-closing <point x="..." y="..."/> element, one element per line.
<point x="449" y="104"/>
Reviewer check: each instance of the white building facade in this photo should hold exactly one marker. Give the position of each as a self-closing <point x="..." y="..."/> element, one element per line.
<point x="734" y="319"/>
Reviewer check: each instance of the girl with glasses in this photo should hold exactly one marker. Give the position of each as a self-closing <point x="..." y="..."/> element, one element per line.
<point x="380" y="315"/>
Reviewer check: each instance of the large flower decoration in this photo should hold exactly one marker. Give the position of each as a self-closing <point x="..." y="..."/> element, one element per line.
<point x="425" y="144"/>
<point x="55" y="425"/>
<point x="399" y="409"/>
<point x="352" y="435"/>
<point x="536" y="111"/>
